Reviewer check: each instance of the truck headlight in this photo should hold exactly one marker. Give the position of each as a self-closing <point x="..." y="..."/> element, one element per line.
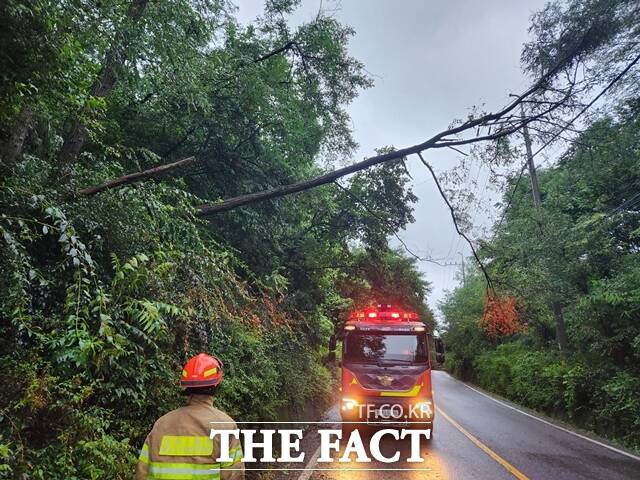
<point x="349" y="404"/>
<point x="423" y="409"/>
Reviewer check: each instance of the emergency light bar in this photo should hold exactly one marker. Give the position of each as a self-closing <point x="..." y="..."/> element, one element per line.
<point x="382" y="314"/>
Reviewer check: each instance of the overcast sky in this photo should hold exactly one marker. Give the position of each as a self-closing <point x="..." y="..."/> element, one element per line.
<point x="431" y="61"/>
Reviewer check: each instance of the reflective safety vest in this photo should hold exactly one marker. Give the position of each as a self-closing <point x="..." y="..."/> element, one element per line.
<point x="179" y="446"/>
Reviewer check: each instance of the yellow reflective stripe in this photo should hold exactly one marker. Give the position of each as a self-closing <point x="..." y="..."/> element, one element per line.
<point x="186" y="446"/>
<point x="184" y="471"/>
<point x="412" y="392"/>
<point x="210" y="372"/>
<point x="144" y="454"/>
<point x="238" y="454"/>
<point x="235" y="454"/>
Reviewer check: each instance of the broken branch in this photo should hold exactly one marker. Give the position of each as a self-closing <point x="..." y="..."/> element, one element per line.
<point x="134" y="177"/>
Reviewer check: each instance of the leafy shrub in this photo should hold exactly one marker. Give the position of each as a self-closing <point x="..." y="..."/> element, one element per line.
<point x="618" y="401"/>
<point x="538" y="381"/>
<point x="494" y="369"/>
<point x="104" y="335"/>
<point x="580" y="384"/>
<point x="533" y="378"/>
<point x="592" y="395"/>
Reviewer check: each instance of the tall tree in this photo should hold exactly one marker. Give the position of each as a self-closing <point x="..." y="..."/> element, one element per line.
<point x="114" y="62"/>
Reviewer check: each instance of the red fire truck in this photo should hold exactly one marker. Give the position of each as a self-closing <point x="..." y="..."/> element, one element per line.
<point x="386" y="369"/>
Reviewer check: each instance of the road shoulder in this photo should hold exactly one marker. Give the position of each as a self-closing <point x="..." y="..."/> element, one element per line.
<point x="551" y="421"/>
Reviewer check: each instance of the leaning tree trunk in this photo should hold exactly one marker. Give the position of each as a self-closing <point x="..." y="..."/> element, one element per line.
<point x="11" y="149"/>
<point x="561" y="329"/>
<point x="76" y="128"/>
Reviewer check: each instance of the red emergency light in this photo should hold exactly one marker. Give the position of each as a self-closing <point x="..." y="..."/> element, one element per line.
<point x="384" y="314"/>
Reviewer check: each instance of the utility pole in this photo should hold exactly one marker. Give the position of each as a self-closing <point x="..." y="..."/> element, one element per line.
<point x="556" y="305"/>
<point x="464" y="278"/>
<point x="532" y="168"/>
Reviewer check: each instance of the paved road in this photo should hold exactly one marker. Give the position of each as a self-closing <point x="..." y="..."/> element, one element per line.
<point x="476" y="437"/>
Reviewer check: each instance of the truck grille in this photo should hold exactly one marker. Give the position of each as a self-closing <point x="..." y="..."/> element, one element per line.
<point x="387" y="382"/>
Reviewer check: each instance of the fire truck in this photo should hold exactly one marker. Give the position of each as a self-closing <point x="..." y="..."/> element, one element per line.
<point x="386" y="369"/>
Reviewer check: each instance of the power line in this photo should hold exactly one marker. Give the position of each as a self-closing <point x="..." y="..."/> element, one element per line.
<point x="632" y="202"/>
<point x="588" y="105"/>
<point x="557" y="134"/>
<point x="628" y="205"/>
<point x="455" y="221"/>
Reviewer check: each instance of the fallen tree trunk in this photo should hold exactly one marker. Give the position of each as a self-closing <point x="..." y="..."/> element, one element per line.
<point x="134" y="177"/>
<point x="437" y="141"/>
<point x="330" y="177"/>
<point x="502" y="121"/>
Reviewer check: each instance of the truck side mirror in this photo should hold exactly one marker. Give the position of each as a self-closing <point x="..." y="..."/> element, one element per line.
<point x="332" y="343"/>
<point x="439" y="344"/>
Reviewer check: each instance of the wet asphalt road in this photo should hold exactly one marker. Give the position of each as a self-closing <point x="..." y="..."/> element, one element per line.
<point x="515" y="446"/>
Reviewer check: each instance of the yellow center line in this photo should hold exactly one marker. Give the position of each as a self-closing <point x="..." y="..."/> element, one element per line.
<point x="510" y="468"/>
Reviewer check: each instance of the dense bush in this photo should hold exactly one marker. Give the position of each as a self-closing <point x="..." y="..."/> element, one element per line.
<point x="594" y="396"/>
<point x="83" y="379"/>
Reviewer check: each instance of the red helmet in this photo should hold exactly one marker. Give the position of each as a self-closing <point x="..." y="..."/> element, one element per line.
<point x="201" y="371"/>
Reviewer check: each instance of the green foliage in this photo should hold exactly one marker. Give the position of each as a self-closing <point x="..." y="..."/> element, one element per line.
<point x="463" y="309"/>
<point x="104" y="337"/>
<point x="620" y="401"/>
<point x="593" y="395"/>
<point x="585" y="257"/>
<point x="596" y="37"/>
<point x="532" y="378"/>
<point x="103" y="298"/>
<point x="387" y="276"/>
<point x="578" y="29"/>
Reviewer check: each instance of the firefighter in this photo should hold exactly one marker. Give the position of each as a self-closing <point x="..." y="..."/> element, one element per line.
<point x="179" y="445"/>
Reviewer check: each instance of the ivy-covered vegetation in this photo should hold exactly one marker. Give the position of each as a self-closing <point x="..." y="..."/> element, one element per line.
<point x="104" y="296"/>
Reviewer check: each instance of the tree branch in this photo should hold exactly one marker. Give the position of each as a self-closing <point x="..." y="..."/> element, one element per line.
<point x="455" y="221"/>
<point x="440" y="140"/>
<point x="134" y="177"/>
<point x="275" y="52"/>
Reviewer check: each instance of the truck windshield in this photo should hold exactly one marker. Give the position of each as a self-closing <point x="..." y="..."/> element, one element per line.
<point x="385" y="348"/>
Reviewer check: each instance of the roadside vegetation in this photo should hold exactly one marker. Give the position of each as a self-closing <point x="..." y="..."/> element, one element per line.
<point x="582" y="248"/>
<point x="559" y="331"/>
<point x="103" y="296"/>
